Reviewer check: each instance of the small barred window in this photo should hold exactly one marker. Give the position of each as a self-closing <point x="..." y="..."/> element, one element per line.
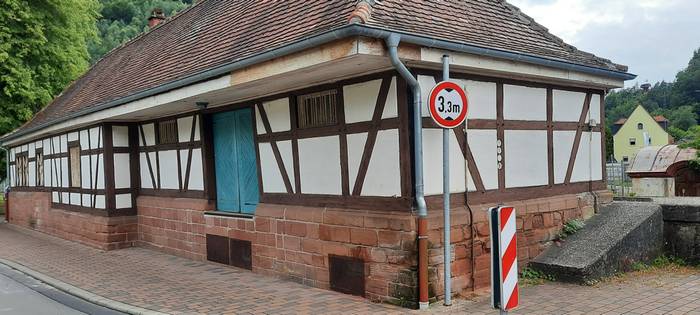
<point x="167" y="132"/>
<point x="317" y="109"/>
<point x="21" y="169"/>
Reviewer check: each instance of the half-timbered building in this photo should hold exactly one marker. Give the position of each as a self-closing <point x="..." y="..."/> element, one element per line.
<point x="283" y="137"/>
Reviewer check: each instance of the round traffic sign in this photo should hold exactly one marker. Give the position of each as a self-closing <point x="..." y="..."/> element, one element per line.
<point x="448" y="104"/>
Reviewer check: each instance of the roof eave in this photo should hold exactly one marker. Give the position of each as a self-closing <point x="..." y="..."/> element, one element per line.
<point x="322" y="38"/>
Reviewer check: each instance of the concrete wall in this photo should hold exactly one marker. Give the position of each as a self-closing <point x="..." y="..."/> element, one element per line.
<point x="654" y="187"/>
<point x="682" y="231"/>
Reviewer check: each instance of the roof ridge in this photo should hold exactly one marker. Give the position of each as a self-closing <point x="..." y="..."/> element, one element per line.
<point x="363" y="12"/>
<point x="546" y="33"/>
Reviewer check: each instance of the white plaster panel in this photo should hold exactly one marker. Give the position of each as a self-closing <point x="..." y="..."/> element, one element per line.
<point x="184" y="128"/>
<point x="12" y="154"/>
<point x="197" y="120"/>
<point x="122" y="171"/>
<point x="562" y="143"/>
<point x="482" y="99"/>
<point x="123" y="201"/>
<point x="47" y="146"/>
<point x="148" y="134"/>
<point x="31" y="181"/>
<point x="31" y="150"/>
<point x="484" y="149"/>
<point x="426" y="84"/>
<point x="526" y="158"/>
<point x="588" y="165"/>
<point x="271" y="176"/>
<point x="120" y="136"/>
<point x="39" y="144"/>
<point x="98" y="165"/>
<point x="196" y="171"/>
<point x="54" y="197"/>
<point x="524" y="103"/>
<point x="384" y="173"/>
<point x="84" y="143"/>
<point x="360" y="99"/>
<point x="75" y="199"/>
<point x="56" y="144"/>
<point x="594" y="112"/>
<point x="183" y="165"/>
<point x="65" y="198"/>
<point x="432" y="163"/>
<point x="65" y="179"/>
<point x="168" y="169"/>
<point x="146" y="181"/>
<point x="85" y="172"/>
<point x="567" y="105"/>
<point x="259" y="125"/>
<point x="277" y="112"/>
<point x="285" y="148"/>
<point x="356" y="146"/>
<point x="96" y="137"/>
<point x="64" y="143"/>
<point x="100" y="201"/>
<point x="319" y="165"/>
<point x="87" y="200"/>
<point x="72" y="136"/>
<point x="391" y="105"/>
<point x="47" y="173"/>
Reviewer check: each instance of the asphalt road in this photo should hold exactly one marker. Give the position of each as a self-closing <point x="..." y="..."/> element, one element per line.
<point x="21" y="294"/>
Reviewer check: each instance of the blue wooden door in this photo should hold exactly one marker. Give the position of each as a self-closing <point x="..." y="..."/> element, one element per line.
<point x="235" y="162"/>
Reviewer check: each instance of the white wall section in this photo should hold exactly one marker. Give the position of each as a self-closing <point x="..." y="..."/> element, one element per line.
<point x="524" y="103"/>
<point x="360" y="100"/>
<point x="526" y="158"/>
<point x="319" y="165"/>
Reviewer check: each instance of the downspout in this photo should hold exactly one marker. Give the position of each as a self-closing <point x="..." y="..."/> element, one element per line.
<point x="392" y="42"/>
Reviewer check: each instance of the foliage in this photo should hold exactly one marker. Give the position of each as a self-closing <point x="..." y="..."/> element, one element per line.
<point x="43" y="47"/>
<point x="571" y="227"/>
<point x="531" y="276"/>
<point x="122" y="20"/>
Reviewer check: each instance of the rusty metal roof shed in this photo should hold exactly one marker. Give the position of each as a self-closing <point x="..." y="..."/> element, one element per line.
<point x="660" y="161"/>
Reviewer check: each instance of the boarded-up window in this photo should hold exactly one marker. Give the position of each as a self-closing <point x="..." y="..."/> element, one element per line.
<point x="21" y="169"/>
<point x="317" y="109"/>
<point x="167" y="132"/>
<point x="74" y="160"/>
<point x="39" y="167"/>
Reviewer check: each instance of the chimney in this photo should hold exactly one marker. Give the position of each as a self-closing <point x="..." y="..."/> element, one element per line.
<point x="156" y="18"/>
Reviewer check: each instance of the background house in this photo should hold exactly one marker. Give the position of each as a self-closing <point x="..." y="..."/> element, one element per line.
<point x="638" y="131"/>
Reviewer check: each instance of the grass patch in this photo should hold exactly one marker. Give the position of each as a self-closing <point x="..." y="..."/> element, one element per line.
<point x="570" y="228"/>
<point x="651" y="273"/>
<point x="531" y="276"/>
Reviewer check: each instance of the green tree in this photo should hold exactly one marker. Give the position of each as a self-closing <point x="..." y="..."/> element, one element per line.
<point x="43" y="47"/>
<point x="122" y="20"/>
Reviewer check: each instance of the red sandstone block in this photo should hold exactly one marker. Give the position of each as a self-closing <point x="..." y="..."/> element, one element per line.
<point x="378" y="255"/>
<point x="312" y="246"/>
<point x="334" y="233"/>
<point x="344" y="218"/>
<point x="295" y="228"/>
<point x="331" y="248"/>
<point x="197" y="217"/>
<point x="292" y="243"/>
<point x="270" y="210"/>
<point x="377" y="222"/>
<point x="363" y="237"/>
<point x="266" y="239"/>
<point x="304" y="214"/>
<point x="461" y="267"/>
<point x="377" y="286"/>
<point x="262" y="224"/>
<point x="242" y="235"/>
<point x="216" y="230"/>
<point x="319" y="261"/>
<point x="262" y="262"/>
<point x="457" y="235"/>
<point x="389" y="239"/>
<point x="482" y="229"/>
<point x="312" y="230"/>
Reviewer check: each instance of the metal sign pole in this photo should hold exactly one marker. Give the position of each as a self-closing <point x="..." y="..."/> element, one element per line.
<point x="446" y="194"/>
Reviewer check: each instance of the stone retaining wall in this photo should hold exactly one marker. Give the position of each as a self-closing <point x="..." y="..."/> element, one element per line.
<point x="682" y="231"/>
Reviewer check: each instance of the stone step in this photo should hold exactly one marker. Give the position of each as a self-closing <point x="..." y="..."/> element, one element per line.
<point x="611" y="241"/>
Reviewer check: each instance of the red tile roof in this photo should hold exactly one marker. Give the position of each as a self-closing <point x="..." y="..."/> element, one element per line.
<point x="660" y="118"/>
<point x="621" y="121"/>
<point x="215" y="32"/>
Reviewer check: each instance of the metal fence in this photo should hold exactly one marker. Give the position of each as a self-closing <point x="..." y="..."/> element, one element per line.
<point x="618" y="181"/>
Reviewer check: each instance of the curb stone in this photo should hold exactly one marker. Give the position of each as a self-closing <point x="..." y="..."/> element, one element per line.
<point x="78" y="292"/>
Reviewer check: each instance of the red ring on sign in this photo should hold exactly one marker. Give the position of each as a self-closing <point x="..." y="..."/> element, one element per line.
<point x="444" y="123"/>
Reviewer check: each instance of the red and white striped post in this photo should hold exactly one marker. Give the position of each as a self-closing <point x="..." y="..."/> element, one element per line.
<point x="504" y="258"/>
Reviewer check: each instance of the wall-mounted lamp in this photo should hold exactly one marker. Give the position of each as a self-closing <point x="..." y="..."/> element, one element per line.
<point x="202" y="105"/>
<point x="592" y="124"/>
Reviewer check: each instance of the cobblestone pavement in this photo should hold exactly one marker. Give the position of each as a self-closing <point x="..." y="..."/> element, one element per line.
<point x="170" y="284"/>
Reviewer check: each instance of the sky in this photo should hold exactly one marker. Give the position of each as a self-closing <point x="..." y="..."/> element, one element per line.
<point x="655" y="38"/>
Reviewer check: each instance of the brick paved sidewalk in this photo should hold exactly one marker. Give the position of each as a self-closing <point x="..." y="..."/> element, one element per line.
<point x="170" y="284"/>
